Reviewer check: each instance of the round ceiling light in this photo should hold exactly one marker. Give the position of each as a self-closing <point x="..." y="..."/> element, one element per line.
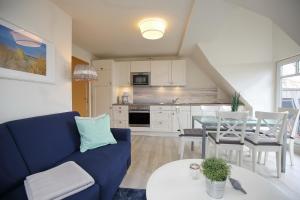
<point x="152" y="28"/>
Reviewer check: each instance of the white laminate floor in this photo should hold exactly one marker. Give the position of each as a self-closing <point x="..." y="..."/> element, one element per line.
<point x="150" y="152"/>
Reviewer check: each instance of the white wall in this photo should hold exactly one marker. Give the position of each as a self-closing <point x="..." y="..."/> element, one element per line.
<point x="21" y="99"/>
<point x="82" y="54"/>
<point x="242" y="53"/>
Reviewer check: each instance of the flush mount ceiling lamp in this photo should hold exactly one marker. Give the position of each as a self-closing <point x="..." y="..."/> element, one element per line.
<point x="152" y="28"/>
<point x="85" y="73"/>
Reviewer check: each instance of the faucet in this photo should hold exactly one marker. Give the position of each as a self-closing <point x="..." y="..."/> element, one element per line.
<point x="174" y="101"/>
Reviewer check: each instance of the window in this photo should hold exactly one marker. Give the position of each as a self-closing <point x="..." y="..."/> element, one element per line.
<point x="288" y="84"/>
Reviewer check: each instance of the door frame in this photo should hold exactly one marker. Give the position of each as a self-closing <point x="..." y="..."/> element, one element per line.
<point x="88" y="91"/>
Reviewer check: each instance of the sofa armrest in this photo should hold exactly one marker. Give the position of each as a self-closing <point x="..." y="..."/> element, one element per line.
<point x="123" y="134"/>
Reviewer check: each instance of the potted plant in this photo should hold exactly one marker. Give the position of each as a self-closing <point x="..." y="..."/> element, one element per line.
<point x="235" y="102"/>
<point x="216" y="172"/>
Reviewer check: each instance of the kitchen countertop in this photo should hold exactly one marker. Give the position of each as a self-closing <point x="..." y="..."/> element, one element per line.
<point x="171" y="104"/>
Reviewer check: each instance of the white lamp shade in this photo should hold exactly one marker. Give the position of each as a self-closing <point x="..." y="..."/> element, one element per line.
<point x="85" y="72"/>
<point x="152" y="28"/>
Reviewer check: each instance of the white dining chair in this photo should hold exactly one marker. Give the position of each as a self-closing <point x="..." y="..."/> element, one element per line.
<point x="291" y="131"/>
<point x="230" y="133"/>
<point x="267" y="138"/>
<point x="187" y="135"/>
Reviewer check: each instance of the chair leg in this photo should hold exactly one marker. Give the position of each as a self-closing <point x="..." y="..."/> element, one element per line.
<point x="241" y="154"/>
<point x="254" y="155"/>
<point x="278" y="163"/>
<point x="182" y="144"/>
<point x="266" y="157"/>
<point x="230" y="155"/>
<point x="216" y="151"/>
<point x="291" y="151"/>
<point x="192" y="145"/>
<point x="259" y="157"/>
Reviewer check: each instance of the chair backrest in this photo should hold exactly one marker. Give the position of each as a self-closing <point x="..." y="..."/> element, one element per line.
<point x="270" y="124"/>
<point x="292" y="120"/>
<point x="231" y="126"/>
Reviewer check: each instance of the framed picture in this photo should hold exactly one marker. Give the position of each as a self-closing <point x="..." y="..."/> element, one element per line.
<point x="24" y="55"/>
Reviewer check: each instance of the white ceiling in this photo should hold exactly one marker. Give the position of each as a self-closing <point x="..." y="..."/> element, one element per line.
<point x="108" y="28"/>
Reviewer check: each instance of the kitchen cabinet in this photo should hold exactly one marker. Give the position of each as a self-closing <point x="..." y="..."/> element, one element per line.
<point x="120" y="116"/>
<point x="160" y="72"/>
<point x="182" y="114"/>
<point x="168" y="72"/>
<point x="123" y="73"/>
<point x="178" y="73"/>
<point x="103" y="85"/>
<point x="160" y="118"/>
<point x="140" y="66"/>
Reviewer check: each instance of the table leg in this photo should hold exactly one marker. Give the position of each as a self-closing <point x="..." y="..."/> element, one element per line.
<point x="283" y="153"/>
<point x="203" y="142"/>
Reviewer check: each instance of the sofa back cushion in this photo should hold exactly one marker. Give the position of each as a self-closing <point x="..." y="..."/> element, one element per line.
<point x="13" y="169"/>
<point x="45" y="140"/>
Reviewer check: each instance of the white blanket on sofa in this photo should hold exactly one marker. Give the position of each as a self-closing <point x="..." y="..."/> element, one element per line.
<point x="57" y="183"/>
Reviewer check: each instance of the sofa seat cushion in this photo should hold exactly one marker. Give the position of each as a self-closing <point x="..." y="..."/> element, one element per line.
<point x="101" y="162"/>
<point x="19" y="193"/>
<point x="107" y="165"/>
<point x="13" y="169"/>
<point x="45" y="140"/>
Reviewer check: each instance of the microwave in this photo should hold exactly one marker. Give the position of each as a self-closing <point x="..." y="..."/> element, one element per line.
<point x="140" y="79"/>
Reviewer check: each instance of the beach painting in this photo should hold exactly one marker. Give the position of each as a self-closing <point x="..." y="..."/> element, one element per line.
<point x="24" y="55"/>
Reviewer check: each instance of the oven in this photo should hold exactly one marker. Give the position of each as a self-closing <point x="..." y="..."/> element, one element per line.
<point x="139" y="116"/>
<point x="140" y="78"/>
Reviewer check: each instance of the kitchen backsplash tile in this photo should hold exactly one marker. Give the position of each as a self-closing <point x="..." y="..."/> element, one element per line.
<point x="167" y="94"/>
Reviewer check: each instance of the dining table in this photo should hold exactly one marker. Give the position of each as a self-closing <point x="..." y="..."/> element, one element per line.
<point x="209" y="123"/>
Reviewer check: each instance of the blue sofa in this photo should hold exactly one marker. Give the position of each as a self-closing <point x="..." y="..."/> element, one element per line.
<point x="36" y="144"/>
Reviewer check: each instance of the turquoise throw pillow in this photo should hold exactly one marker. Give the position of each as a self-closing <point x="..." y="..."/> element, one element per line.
<point x="94" y="132"/>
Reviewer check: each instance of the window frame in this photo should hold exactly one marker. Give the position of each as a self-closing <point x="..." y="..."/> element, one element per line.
<point x="293" y="59"/>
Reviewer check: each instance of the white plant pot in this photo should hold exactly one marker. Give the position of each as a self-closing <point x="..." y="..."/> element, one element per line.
<point x="215" y="189"/>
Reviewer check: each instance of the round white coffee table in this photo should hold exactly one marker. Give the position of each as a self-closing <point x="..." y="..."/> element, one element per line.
<point x="172" y="181"/>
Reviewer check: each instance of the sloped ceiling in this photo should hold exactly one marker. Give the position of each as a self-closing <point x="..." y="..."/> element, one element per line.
<point x="284" y="13"/>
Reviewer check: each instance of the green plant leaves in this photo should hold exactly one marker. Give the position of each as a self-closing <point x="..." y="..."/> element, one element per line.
<point x="216" y="169"/>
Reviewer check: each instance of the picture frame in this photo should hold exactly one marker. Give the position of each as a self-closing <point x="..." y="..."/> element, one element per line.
<point x="25" y="55"/>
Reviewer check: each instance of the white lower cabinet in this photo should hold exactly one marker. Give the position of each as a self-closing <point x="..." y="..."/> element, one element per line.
<point x="166" y="118"/>
<point x="181" y="118"/>
<point x="160" y="118"/>
<point x="120" y="124"/>
<point x="120" y="116"/>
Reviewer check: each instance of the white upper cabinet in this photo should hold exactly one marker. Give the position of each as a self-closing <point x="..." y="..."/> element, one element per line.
<point x="168" y="73"/>
<point x="160" y="72"/>
<point x="123" y="73"/>
<point x="178" y="77"/>
<point x="140" y="66"/>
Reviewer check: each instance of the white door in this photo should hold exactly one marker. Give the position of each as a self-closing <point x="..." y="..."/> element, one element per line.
<point x="123" y="73"/>
<point x="140" y="66"/>
<point x="161" y="72"/>
<point x="178" y="72"/>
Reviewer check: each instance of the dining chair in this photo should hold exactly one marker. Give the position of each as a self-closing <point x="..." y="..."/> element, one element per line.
<point x="188" y="135"/>
<point x="291" y="131"/>
<point x="195" y="134"/>
<point x="230" y="133"/>
<point x="267" y="138"/>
